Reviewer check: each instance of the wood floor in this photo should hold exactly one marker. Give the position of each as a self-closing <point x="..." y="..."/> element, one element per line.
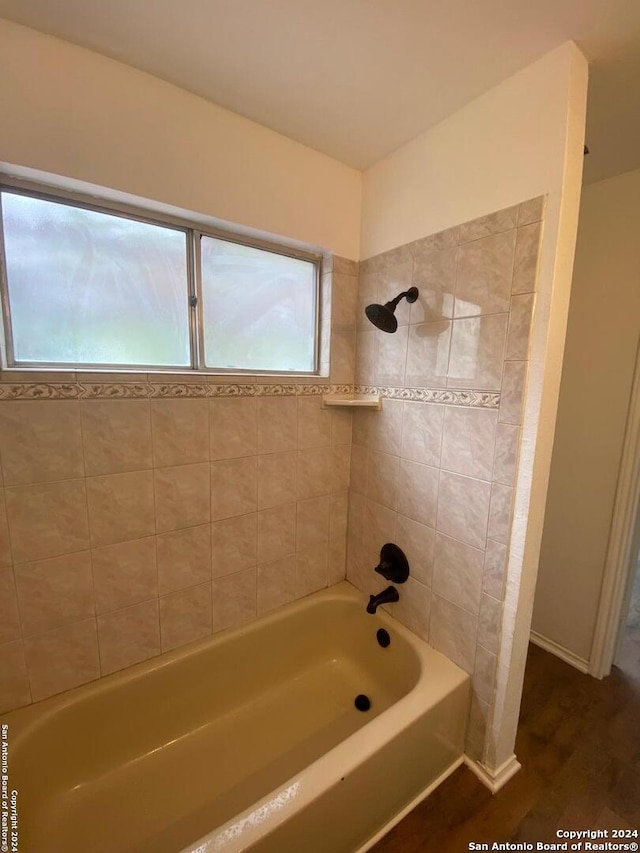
<point x="579" y="746"/>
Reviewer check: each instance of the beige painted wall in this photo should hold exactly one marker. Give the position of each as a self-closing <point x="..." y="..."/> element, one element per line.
<point x="503" y="147"/>
<point x="71" y="112"/>
<point x="602" y="338"/>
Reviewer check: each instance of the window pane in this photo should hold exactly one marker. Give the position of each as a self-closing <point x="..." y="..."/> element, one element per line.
<point x="259" y="308"/>
<point x="94" y="288"/>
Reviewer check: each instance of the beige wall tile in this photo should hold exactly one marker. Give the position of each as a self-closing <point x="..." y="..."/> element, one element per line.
<point x="55" y="592"/>
<point x="453" y="632"/>
<point x="489" y="623"/>
<point x="492" y="223"/>
<point x="124" y="574"/>
<point x="315" y="473"/>
<point x="277" y="424"/>
<point x="500" y="513"/>
<point x="116" y="435"/>
<point x="344" y="265"/>
<point x="314" y="423"/>
<point x="105" y="376"/>
<point x="343" y="355"/>
<point x="483" y="282"/>
<point x="366" y="355"/>
<point x="422" y="432"/>
<point x="277" y="479"/>
<point x="337" y="538"/>
<point x="234" y="543"/>
<point x="120" y="507"/>
<point x="418" y="543"/>
<point x="9" y="615"/>
<point x="311" y="570"/>
<point x="340" y="467"/>
<point x="276" y="583"/>
<point x="62" y="659"/>
<point x="479" y="714"/>
<point x="525" y="266"/>
<point x="233" y="427"/>
<point x="531" y="210"/>
<point x="463" y="508"/>
<point x="359" y="469"/>
<point x="182" y="496"/>
<point x="457" y="574"/>
<point x="367" y="294"/>
<point x="495" y="568"/>
<point x="506" y="455"/>
<point x="362" y="421"/>
<point x="14" y="682"/>
<point x="234" y="487"/>
<point x="414" y="607"/>
<point x="434" y="274"/>
<point x="477" y="352"/>
<point x="344" y="301"/>
<point x="519" y="326"/>
<point x="37" y="375"/>
<point x="428" y="355"/>
<point x="385" y="427"/>
<point x="441" y="240"/>
<point x="513" y="387"/>
<point x="184" y="558"/>
<point x="129" y="636"/>
<point x="356" y="516"/>
<point x="48" y="519"/>
<point x="312" y="530"/>
<point x="484" y="674"/>
<point x="5" y="542"/>
<point x="185" y="616"/>
<point x="379" y="528"/>
<point x="276" y="533"/>
<point x="393" y="280"/>
<point x="382" y="478"/>
<point x="234" y="599"/>
<point x="391" y="357"/>
<point x="418" y="492"/>
<point x="341" y="426"/>
<point x="469" y="441"/>
<point x="180" y="430"/>
<point x="40" y="441"/>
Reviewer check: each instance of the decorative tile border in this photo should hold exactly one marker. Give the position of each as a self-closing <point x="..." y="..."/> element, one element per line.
<point x="188" y="390"/>
<point x="475" y="399"/>
<point x="174" y="390"/>
<point x="152" y="390"/>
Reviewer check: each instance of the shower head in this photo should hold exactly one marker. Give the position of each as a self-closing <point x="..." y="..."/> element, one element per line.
<point x="383" y="316"/>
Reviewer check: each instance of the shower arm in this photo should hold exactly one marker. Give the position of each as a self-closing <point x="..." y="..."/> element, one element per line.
<point x="408" y="293"/>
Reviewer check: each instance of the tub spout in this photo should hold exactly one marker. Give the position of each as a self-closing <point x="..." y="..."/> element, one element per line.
<point x="385" y="597"/>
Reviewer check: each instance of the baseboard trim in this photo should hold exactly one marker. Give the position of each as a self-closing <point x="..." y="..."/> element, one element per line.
<point x="494" y="779"/>
<point x="560" y="652"/>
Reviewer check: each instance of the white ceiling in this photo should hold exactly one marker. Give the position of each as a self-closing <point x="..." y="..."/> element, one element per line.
<point x="358" y="78"/>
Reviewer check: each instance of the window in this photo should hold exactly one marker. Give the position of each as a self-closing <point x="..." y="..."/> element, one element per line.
<point x="88" y="286"/>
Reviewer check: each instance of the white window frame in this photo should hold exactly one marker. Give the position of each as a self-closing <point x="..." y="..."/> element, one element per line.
<point x="193" y="230"/>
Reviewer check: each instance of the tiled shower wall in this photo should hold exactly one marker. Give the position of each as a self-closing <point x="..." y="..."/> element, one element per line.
<point x="434" y="470"/>
<point x="140" y="513"/>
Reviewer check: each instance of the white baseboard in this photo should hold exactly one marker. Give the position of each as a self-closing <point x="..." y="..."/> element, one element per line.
<point x="560" y="652"/>
<point x="494" y="779"/>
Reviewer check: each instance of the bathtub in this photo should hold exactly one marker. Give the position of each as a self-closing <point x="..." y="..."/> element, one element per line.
<point x="247" y="740"/>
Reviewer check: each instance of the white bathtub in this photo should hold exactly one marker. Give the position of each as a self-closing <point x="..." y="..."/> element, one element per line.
<point x="247" y="740"/>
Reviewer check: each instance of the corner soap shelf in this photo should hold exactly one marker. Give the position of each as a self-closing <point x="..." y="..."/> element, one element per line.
<point x="357" y="401"/>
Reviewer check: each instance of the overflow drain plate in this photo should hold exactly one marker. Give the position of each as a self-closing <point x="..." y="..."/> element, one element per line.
<point x="383" y="637"/>
<point x="362" y="702"/>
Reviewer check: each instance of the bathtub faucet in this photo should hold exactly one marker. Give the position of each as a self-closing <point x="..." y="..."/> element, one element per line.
<point x="387" y="596"/>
